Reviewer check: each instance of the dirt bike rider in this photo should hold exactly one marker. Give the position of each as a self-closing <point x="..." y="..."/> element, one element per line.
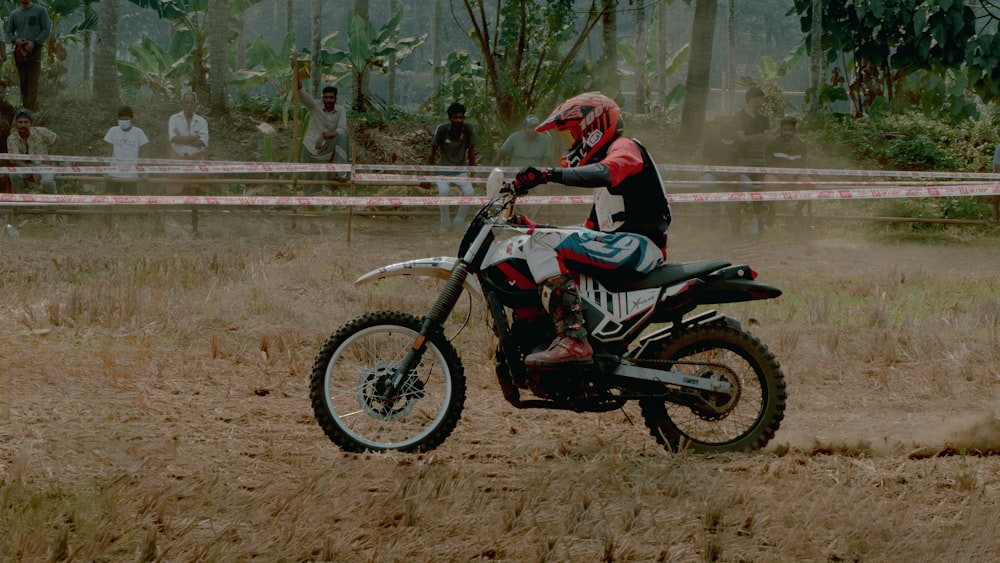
<point x="628" y="222"/>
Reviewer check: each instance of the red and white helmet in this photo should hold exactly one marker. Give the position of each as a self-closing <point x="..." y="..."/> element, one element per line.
<point x="591" y="120"/>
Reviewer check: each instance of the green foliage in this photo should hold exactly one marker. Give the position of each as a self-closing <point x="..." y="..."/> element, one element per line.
<point x="267" y="66"/>
<point x="883" y="43"/>
<point x="369" y="51"/>
<point x="911" y="140"/>
<point x="648" y="67"/>
<point x="190" y="17"/>
<point x="160" y="70"/>
<point x="528" y="50"/>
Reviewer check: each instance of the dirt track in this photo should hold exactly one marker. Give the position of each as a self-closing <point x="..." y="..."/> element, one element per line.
<point x="172" y="372"/>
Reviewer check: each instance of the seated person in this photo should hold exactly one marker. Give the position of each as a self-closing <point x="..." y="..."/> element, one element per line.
<point x="788" y="151"/>
<point x="26" y="139"/>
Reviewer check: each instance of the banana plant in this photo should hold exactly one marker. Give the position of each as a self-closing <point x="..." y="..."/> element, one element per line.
<point x="674" y="63"/>
<point x="161" y="70"/>
<point x="267" y="67"/>
<point x="190" y="19"/>
<point x="368" y="52"/>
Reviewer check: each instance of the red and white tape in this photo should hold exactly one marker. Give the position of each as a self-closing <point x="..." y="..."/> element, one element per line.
<point x="381" y="172"/>
<point x="968" y="190"/>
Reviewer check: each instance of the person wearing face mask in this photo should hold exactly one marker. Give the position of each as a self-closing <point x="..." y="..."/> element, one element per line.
<point x="26" y="139"/>
<point x="125" y="140"/>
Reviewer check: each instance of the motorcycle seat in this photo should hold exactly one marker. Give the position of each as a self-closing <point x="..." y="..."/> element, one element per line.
<point x="620" y="281"/>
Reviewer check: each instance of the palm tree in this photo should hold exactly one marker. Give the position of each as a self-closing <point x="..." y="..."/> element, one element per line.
<point x="699" y="72"/>
<point x="218" y="67"/>
<point x="640" y="56"/>
<point x="106" y="88"/>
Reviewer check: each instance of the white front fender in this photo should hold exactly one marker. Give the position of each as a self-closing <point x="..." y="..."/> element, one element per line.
<point x="437" y="267"/>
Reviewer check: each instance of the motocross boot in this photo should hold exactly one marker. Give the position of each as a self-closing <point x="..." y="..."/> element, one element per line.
<point x="561" y="298"/>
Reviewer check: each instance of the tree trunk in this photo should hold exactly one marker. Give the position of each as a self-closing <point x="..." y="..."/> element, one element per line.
<point x="730" y="105"/>
<point x="438" y="70"/>
<point x="218" y="51"/>
<point x="699" y="72"/>
<point x="105" y="60"/>
<point x="661" y="48"/>
<point x="88" y="47"/>
<point x="361" y="9"/>
<point x="316" y="40"/>
<point x="363" y="91"/>
<point x="610" y="82"/>
<point x="391" y="86"/>
<point x="241" y="43"/>
<point x="640" y="55"/>
<point x="816" y="71"/>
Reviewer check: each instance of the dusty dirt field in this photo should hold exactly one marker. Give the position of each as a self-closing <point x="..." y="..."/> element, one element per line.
<point x="155" y="408"/>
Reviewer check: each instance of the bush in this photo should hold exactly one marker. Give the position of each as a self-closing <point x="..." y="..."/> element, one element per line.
<point x="913" y="141"/>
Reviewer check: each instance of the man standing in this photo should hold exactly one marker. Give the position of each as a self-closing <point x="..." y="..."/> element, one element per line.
<point x="28" y="29"/>
<point x="753" y="133"/>
<point x="125" y="140"/>
<point x="325" y="140"/>
<point x="188" y="134"/>
<point x="528" y="147"/>
<point x="6" y="120"/>
<point x="25" y="139"/>
<point x="456" y="143"/>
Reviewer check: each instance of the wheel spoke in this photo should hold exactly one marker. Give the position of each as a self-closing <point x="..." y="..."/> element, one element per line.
<point x="349" y="380"/>
<point x="746" y="418"/>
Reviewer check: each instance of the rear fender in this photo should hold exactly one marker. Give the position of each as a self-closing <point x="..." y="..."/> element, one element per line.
<point x="734" y="284"/>
<point x="438" y="267"/>
<point x="736" y="291"/>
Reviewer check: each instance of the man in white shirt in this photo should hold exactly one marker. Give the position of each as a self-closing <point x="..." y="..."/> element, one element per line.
<point x="188" y="134"/>
<point x="125" y="140"/>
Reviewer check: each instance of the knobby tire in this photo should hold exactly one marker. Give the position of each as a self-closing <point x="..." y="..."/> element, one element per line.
<point x="345" y="375"/>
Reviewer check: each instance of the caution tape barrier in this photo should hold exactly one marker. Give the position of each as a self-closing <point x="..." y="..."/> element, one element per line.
<point x="968" y="190"/>
<point x="380" y="172"/>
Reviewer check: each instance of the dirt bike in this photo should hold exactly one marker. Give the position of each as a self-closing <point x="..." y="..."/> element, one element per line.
<point x="392" y="381"/>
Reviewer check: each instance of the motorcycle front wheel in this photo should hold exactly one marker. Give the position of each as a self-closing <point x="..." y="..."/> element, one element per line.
<point x="348" y="386"/>
<point x="744" y="419"/>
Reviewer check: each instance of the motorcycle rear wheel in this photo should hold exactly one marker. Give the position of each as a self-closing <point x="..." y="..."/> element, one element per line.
<point x="345" y="386"/>
<point x="744" y="421"/>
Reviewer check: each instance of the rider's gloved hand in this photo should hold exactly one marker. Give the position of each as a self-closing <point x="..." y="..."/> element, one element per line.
<point x="528" y="178"/>
<point x="523" y="221"/>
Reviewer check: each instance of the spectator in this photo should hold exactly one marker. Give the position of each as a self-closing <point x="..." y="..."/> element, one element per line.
<point x="28" y="29"/>
<point x="188" y="135"/>
<point x="6" y="121"/>
<point x="788" y="151"/>
<point x="752" y="132"/>
<point x="456" y="143"/>
<point x="325" y="140"/>
<point x="527" y="147"/>
<point x="25" y="139"/>
<point x="126" y="140"/>
<point x="722" y="149"/>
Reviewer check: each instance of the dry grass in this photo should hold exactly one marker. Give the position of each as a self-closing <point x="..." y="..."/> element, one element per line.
<point x="155" y="409"/>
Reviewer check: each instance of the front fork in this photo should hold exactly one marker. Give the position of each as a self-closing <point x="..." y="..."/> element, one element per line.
<point x="433" y="323"/>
